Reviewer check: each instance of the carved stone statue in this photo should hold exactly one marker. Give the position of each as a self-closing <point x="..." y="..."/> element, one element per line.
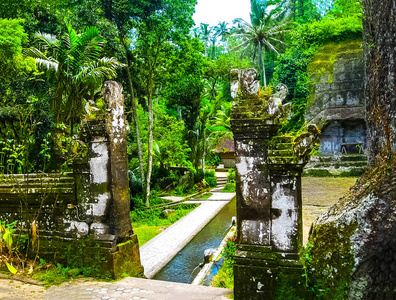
<point x="305" y="142"/>
<point x="245" y="81"/>
<point x="277" y="98"/>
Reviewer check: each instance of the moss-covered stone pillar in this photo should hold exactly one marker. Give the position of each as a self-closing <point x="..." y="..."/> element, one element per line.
<point x="268" y="190"/>
<point x="117" y="129"/>
<point x="103" y="189"/>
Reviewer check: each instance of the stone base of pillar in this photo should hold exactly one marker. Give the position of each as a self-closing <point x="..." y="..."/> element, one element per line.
<point x="126" y="259"/>
<point x="100" y="255"/>
<point x="260" y="273"/>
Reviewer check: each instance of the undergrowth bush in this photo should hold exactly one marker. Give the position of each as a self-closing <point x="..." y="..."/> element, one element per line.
<point x="56" y="275"/>
<point x="229" y="188"/>
<point x="231" y="176"/>
<point x="225" y="277"/>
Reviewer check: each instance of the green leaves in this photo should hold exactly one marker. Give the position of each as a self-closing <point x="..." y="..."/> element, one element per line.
<point x="12" y="38"/>
<point x="11" y="268"/>
<point x="6" y="241"/>
<point x="75" y="62"/>
<point x="5" y="236"/>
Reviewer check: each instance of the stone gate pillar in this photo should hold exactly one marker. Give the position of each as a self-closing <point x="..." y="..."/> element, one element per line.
<point x="268" y="191"/>
<point x="103" y="189"/>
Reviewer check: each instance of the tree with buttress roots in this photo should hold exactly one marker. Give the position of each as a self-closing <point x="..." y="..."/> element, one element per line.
<point x="352" y="246"/>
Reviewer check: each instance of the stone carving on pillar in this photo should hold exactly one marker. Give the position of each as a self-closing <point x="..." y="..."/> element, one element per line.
<point x="268" y="189"/>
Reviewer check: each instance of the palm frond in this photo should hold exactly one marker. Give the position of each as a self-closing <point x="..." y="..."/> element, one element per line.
<point x="45" y="40"/>
<point x="34" y="53"/>
<point x="94" y="72"/>
<point x="47" y="64"/>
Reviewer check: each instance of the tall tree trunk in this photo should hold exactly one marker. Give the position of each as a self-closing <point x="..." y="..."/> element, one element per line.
<point x="150" y="137"/>
<point x="134" y="110"/>
<point x="150" y="92"/>
<point x="136" y="120"/>
<point x="380" y="85"/>
<point x="263" y="66"/>
<point x="294" y="9"/>
<point x="203" y="149"/>
<point x="301" y="8"/>
<point x="356" y="236"/>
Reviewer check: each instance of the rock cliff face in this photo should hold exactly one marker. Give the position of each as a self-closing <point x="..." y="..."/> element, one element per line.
<point x="352" y="246"/>
<point x="336" y="101"/>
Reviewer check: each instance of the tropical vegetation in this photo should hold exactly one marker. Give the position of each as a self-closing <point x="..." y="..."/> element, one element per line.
<point x="55" y="56"/>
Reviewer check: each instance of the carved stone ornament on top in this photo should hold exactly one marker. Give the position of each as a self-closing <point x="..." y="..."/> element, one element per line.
<point x="252" y="102"/>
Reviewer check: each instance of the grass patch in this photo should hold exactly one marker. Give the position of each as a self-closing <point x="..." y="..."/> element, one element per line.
<point x="146" y="233"/>
<point x="150" y="222"/>
<point x="57" y="274"/>
<point x="229" y="188"/>
<point x="205" y="196"/>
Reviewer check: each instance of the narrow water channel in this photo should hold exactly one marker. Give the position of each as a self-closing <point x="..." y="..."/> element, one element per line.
<point x="183" y="267"/>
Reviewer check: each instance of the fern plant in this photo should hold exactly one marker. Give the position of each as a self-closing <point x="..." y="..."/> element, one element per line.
<point x="75" y="62"/>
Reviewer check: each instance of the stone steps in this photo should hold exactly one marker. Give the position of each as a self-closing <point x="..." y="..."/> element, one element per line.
<point x="281" y="146"/>
<point x="282" y="140"/>
<point x="282" y="153"/>
<point x="345" y="157"/>
<point x="341" y="166"/>
<point x="221" y="181"/>
<point x="284" y="160"/>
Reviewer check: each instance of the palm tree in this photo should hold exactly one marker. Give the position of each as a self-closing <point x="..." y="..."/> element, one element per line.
<point x="258" y="8"/>
<point x="213" y="47"/>
<point x="256" y="39"/>
<point x="222" y="30"/>
<point x="196" y="32"/>
<point x="74" y="61"/>
<point x="205" y="35"/>
<point x="221" y="125"/>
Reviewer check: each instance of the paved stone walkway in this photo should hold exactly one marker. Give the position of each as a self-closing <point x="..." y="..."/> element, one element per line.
<point x="134" y="289"/>
<point x="16" y="290"/>
<point x="157" y="252"/>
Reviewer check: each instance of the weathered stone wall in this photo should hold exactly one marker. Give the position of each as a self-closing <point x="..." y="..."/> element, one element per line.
<point x="23" y="197"/>
<point x="82" y="215"/>
<point x="336" y="99"/>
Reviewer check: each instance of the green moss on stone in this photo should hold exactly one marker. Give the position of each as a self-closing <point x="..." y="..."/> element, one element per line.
<point x="321" y="68"/>
<point x="329" y="260"/>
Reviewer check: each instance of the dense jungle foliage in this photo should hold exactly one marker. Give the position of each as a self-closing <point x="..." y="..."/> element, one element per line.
<point x="55" y="56"/>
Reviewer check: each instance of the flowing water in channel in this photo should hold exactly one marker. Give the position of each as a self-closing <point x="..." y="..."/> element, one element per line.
<point x="184" y="266"/>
